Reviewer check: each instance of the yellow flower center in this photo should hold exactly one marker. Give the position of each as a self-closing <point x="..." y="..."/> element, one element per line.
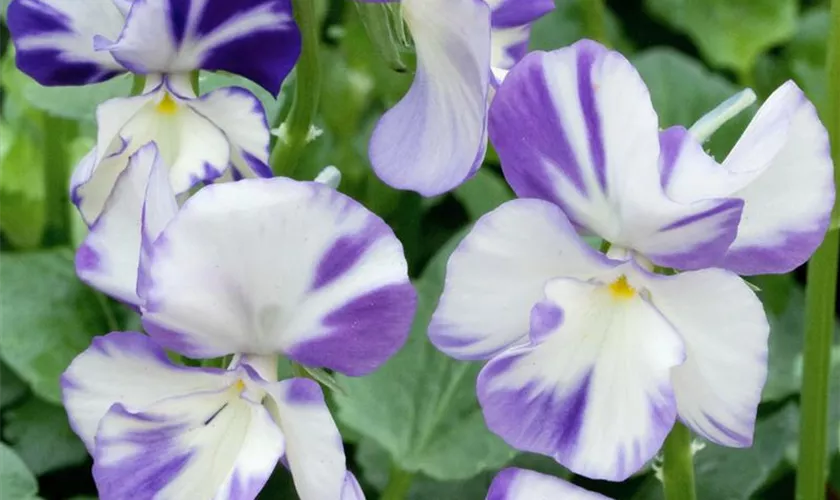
<point x="167" y="105"/>
<point x="239" y="386"/>
<point x="620" y="289"/>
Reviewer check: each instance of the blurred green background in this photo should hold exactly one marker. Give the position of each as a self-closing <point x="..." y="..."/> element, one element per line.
<point x="418" y="413"/>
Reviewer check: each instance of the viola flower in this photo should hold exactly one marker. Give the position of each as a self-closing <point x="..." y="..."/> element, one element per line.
<point x="161" y="430"/>
<point x="260" y="267"/>
<point x="200" y="138"/>
<point x="520" y="484"/>
<point x="575" y="337"/>
<point x="78" y="43"/>
<point x="435" y="137"/>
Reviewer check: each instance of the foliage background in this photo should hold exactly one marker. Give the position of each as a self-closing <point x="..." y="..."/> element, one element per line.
<point x="417" y="415"/>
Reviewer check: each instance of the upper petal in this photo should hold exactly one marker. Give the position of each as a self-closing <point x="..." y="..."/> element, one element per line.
<point x="54" y="39"/>
<point x="434" y="138"/>
<point x="611" y="355"/>
<point x="314" y="450"/>
<point x="204" y="445"/>
<point x="108" y="258"/>
<point x="130" y="369"/>
<point x="782" y="169"/>
<point x="511" y="28"/>
<point x="576" y="127"/>
<point x="268" y="266"/>
<point x="521" y="484"/>
<point x="724" y="328"/>
<point x="257" y="39"/>
<point x="499" y="272"/>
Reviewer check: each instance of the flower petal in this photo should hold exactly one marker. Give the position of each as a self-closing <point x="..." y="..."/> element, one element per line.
<point x="130" y="369"/>
<point x="241" y="117"/>
<point x="612" y="354"/>
<point x="435" y="137"/>
<point x="314" y="451"/>
<point x="511" y="28"/>
<point x="268" y="266"/>
<point x="205" y="445"/>
<point x="352" y="490"/>
<point x="54" y="39"/>
<point x="520" y="484"/>
<point x="108" y="258"/>
<point x="585" y="136"/>
<point x="499" y="272"/>
<point x="724" y="328"/>
<point x="782" y="169"/>
<point x="170" y="36"/>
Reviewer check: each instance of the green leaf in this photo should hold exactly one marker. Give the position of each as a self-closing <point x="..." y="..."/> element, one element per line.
<point x="683" y="90"/>
<point x="806" y="55"/>
<point x="833" y="395"/>
<point x="40" y="433"/>
<point x="730" y="33"/>
<point x="737" y="473"/>
<point x="22" y="189"/>
<point x="47" y="317"/>
<point x="12" y="388"/>
<point x="421" y="405"/>
<point x="564" y="26"/>
<point x="16" y="481"/>
<point x="483" y="193"/>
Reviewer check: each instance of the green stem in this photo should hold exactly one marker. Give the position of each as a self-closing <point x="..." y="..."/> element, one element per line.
<point x="820" y="298"/>
<point x="290" y="146"/>
<point x="398" y="485"/>
<point x="595" y="20"/>
<point x="57" y="136"/>
<point x="677" y="467"/>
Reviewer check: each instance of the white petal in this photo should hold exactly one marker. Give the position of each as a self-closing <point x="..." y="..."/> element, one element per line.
<point x="724" y="328"/>
<point x="129" y="369"/>
<point x="205" y="445"/>
<point x="314" y="450"/>
<point x="499" y="272"/>
<point x="611" y="355"/>
<point x="435" y="137"/>
<point x="521" y="484"/>
<point x="268" y="266"/>
<point x="108" y="258"/>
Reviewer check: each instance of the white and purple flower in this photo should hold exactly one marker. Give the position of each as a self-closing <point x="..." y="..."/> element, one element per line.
<point x="521" y="484"/>
<point x="578" y="340"/>
<point x="436" y="136"/>
<point x="161" y="430"/>
<point x="65" y="42"/>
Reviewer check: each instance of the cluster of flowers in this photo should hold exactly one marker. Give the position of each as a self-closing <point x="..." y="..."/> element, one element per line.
<point x="593" y="356"/>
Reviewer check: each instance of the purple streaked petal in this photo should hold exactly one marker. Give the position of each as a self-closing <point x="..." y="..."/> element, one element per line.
<point x="511" y="28"/>
<point x="173" y="36"/>
<point x="498" y="273"/>
<point x="280" y="277"/>
<point x="435" y="137"/>
<point x="205" y="445"/>
<point x="130" y="369"/>
<point x="241" y="117"/>
<point x="520" y="484"/>
<point x="314" y="451"/>
<point x="724" y="328"/>
<point x="586" y="138"/>
<point x="54" y="40"/>
<point x="611" y="355"/>
<point x="110" y="254"/>
<point x="513" y="13"/>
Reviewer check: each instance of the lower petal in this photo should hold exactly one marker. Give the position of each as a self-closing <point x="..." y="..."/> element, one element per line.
<point x="611" y="354"/>
<point x="435" y="137"/>
<point x="521" y="484"/>
<point x="314" y="450"/>
<point x="129" y="369"/>
<point x="209" y="445"/>
<point x="499" y="272"/>
<point x="724" y="328"/>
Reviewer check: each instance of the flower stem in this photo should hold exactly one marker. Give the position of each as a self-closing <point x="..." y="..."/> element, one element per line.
<point x="677" y="467"/>
<point x="58" y="133"/>
<point x="398" y="485"/>
<point x="594" y="20"/>
<point x="820" y="295"/>
<point x="295" y="130"/>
